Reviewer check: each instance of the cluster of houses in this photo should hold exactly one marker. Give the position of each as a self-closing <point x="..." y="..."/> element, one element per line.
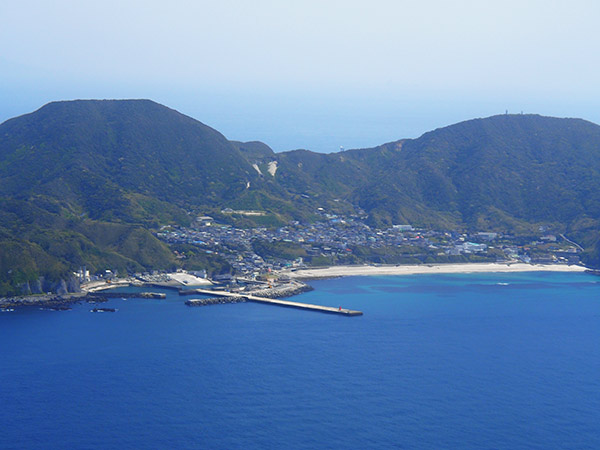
<point x="336" y="236"/>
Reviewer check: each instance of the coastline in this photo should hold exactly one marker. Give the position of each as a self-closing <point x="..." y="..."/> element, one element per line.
<point x="297" y="277"/>
<point x="424" y="269"/>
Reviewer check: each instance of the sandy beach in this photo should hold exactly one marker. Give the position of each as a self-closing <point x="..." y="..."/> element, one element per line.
<point x="342" y="271"/>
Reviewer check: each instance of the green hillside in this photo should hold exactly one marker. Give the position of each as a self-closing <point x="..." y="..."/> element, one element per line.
<point x="91" y="154"/>
<point x="510" y="173"/>
<point x="86" y="182"/>
<point x="83" y="182"/>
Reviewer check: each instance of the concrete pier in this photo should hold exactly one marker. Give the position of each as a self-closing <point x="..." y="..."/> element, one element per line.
<point x="277" y="302"/>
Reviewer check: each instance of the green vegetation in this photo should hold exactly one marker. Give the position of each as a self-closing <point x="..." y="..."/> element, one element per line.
<point x="86" y="183"/>
<point x="278" y="249"/>
<point x="510" y="173"/>
<point x="34" y="242"/>
<point x="195" y="258"/>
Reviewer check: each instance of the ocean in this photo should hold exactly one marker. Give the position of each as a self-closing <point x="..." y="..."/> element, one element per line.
<point x="503" y="361"/>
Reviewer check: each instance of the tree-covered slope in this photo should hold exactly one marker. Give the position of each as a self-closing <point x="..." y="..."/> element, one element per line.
<point x="73" y="174"/>
<point x="530" y="167"/>
<point x="92" y="154"/>
<point x="84" y="182"/>
<point x="509" y="173"/>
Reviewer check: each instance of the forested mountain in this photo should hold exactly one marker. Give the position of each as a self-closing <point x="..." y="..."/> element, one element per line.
<point x="84" y="182"/>
<point x="120" y="159"/>
<point x="510" y="173"/>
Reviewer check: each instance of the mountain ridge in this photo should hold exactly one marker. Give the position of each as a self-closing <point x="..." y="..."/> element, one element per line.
<point x="131" y="166"/>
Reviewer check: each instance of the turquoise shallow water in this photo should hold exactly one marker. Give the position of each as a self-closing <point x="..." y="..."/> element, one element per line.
<point x="444" y="361"/>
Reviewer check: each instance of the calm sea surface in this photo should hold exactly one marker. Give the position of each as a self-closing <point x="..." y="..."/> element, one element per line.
<point x="457" y="361"/>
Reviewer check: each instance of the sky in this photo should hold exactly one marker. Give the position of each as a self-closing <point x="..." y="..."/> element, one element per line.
<point x="308" y="74"/>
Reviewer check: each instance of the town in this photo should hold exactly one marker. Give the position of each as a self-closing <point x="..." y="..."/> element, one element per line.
<point x="336" y="239"/>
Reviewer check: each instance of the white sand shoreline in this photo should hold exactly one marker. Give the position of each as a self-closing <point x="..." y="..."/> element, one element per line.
<point x="346" y="271"/>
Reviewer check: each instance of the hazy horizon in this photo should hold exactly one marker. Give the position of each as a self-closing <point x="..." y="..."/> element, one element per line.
<point x="314" y="75"/>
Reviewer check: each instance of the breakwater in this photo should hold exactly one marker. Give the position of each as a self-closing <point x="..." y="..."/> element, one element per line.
<point x="214" y="301"/>
<point x="108" y="294"/>
<point x="282" y="291"/>
<point x="277" y="291"/>
<point x="231" y="297"/>
<point x="306" y="306"/>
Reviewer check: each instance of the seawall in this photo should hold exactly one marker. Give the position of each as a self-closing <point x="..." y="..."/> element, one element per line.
<point x="287" y="290"/>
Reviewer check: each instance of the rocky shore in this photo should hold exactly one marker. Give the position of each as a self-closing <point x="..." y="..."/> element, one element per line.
<point x="108" y="294"/>
<point x="50" y="301"/>
<point x="64" y="302"/>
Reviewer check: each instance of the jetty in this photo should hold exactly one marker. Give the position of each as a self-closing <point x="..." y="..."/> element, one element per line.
<point x="214" y="301"/>
<point x="268" y="301"/>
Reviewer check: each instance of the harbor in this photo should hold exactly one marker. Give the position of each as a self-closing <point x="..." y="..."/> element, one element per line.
<point x="270" y="293"/>
<point x="236" y="297"/>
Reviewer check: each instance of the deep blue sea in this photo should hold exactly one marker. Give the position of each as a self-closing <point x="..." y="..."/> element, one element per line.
<point x="502" y="361"/>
